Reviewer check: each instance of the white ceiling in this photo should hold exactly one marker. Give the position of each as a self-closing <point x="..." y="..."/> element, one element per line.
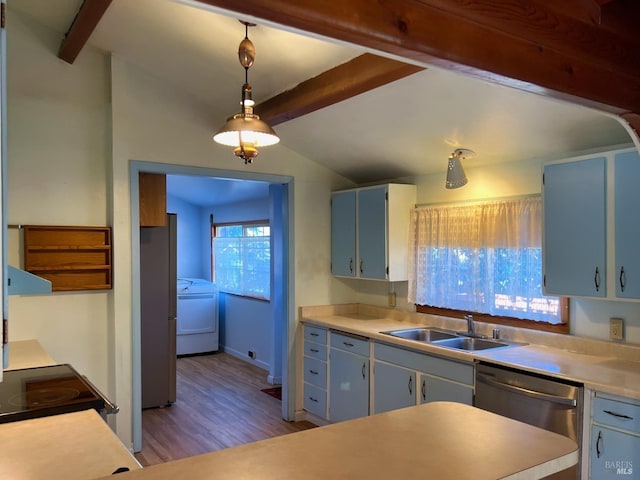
<point x="406" y="128"/>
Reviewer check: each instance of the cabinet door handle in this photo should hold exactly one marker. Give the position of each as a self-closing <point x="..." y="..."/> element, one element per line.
<point x="623" y="279"/>
<point x="351" y="265"/>
<point x="361" y="266"/>
<point x="598" y="444"/>
<point x="410" y="385"/>
<point x="364" y="366"/>
<point x="424" y="389"/>
<point x="596" y="279"/>
<point x="618" y="415"/>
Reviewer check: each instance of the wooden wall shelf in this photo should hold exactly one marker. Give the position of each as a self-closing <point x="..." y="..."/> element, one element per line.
<point x="71" y="258"/>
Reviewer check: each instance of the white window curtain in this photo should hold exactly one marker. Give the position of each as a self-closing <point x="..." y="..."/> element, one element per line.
<point x="483" y="257"/>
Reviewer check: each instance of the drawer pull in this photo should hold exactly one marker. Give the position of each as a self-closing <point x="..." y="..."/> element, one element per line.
<point x="348" y="344"/>
<point x="313" y="399"/>
<point x="618" y="415"/>
<point x="313" y="334"/>
<point x="313" y="372"/>
<point x="314" y="350"/>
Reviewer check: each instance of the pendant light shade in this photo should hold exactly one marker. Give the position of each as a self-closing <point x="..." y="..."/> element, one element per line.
<point x="245" y="131"/>
<point x="456" y="177"/>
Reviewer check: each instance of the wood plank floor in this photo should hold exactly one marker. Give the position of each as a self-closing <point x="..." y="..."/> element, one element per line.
<point x="219" y="405"/>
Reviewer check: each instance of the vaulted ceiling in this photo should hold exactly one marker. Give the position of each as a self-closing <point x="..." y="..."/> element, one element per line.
<point x="386" y="89"/>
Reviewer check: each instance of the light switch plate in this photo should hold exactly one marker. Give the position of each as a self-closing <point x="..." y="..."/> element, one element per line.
<point x="615" y="329"/>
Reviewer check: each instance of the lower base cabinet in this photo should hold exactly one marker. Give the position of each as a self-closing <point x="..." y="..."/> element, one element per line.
<point x="438" y="379"/>
<point x="348" y="377"/>
<point x="615" y="438"/>
<point x="393" y="387"/>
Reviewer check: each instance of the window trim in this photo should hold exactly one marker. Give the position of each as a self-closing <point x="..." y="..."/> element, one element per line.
<point x="508" y="321"/>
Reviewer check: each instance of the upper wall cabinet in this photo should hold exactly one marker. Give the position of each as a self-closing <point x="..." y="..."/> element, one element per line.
<point x="575" y="228"/>
<point x="627" y="224"/>
<point x="369" y="232"/>
<point x="153" y="199"/>
<point x="590" y="203"/>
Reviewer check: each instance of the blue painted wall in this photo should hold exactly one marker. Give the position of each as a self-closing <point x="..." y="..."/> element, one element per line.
<point x="246" y="324"/>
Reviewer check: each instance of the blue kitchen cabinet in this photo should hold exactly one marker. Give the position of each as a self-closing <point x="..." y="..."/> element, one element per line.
<point x="627" y="224"/>
<point x="393" y="387"/>
<point x="348" y="377"/>
<point x="343" y="234"/>
<point x="615" y="438"/>
<point x="439" y="379"/>
<point x="315" y="370"/>
<point x="574" y="240"/>
<point x="370" y="232"/>
<point x="438" y="389"/>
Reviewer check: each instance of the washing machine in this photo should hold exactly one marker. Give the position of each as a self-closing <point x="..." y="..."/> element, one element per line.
<point x="197" y="312"/>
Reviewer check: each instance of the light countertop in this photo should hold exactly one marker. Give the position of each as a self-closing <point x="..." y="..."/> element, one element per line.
<point x="68" y="446"/>
<point x="442" y="440"/>
<point x="599" y="365"/>
<point x="28" y="354"/>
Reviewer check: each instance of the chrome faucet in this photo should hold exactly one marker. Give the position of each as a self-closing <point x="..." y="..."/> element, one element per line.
<point x="470" y="330"/>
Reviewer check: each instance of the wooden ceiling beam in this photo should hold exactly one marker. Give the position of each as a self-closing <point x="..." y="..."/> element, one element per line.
<point x="88" y="17"/>
<point x="352" y="78"/>
<point x="585" y="10"/>
<point x="511" y="42"/>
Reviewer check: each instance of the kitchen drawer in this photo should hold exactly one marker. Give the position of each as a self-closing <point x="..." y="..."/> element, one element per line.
<point x="315" y="334"/>
<point x="624" y="416"/>
<point x="315" y="372"/>
<point x="442" y="367"/>
<point x="315" y="400"/>
<point x="348" y="343"/>
<point x="315" y="351"/>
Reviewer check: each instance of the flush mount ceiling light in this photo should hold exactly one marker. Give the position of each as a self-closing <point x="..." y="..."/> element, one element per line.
<point x="245" y="131"/>
<point x="455" y="174"/>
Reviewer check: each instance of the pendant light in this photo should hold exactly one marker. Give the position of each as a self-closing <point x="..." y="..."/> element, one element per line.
<point x="245" y="131"/>
<point x="456" y="177"/>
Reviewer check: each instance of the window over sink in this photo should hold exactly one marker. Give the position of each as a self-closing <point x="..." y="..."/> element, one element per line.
<point x="485" y="259"/>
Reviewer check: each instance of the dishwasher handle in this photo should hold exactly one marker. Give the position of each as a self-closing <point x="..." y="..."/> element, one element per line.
<point x="571" y="402"/>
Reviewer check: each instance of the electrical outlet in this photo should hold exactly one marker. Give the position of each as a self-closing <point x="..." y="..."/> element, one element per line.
<point x="392" y="299"/>
<point x="615" y="329"/>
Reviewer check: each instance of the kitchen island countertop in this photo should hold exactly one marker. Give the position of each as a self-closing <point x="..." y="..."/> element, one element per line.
<point x="69" y="446"/>
<point x="442" y="440"/>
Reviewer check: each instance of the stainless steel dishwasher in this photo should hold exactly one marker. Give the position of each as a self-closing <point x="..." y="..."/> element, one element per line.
<point x="544" y="402"/>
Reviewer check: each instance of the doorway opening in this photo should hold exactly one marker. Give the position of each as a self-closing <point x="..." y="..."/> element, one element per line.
<point x="280" y="207"/>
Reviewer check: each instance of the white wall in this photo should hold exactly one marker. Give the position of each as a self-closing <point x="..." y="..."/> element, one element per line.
<point x="58" y="155"/>
<point x="154" y="122"/>
<point x="70" y="144"/>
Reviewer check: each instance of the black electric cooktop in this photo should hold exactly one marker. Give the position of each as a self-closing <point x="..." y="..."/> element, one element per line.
<point x="43" y="391"/>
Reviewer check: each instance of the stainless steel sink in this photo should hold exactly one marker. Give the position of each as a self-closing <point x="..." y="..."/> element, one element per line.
<point x="425" y="334"/>
<point x="471" y="343"/>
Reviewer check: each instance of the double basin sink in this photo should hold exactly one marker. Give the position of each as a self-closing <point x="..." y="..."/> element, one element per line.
<point x="449" y="339"/>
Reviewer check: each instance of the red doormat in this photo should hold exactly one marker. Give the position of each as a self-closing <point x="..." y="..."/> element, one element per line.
<point x="275" y="392"/>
